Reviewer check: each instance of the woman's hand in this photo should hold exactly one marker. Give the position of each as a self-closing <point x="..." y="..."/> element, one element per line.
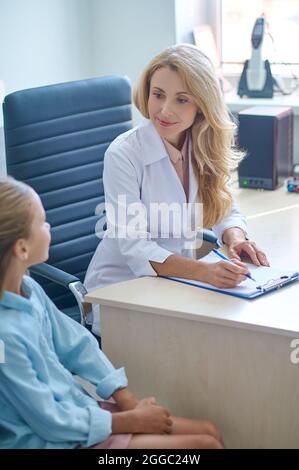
<point x="238" y="246"/>
<point x="237" y="249"/>
<point x="224" y="274"/>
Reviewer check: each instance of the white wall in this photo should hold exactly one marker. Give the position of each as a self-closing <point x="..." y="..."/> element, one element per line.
<point x="42" y="42"/>
<point x="127" y="34"/>
<point x="189" y="13"/>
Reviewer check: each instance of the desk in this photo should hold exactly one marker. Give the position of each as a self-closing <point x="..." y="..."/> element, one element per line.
<point x="212" y="356"/>
<point x="237" y="104"/>
<point x="256" y="203"/>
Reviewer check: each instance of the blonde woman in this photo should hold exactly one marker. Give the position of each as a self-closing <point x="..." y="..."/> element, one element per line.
<point x="181" y="154"/>
<point x="42" y="404"/>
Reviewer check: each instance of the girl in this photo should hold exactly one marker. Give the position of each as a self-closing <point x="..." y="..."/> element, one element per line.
<point x="181" y="154"/>
<point x="42" y="405"/>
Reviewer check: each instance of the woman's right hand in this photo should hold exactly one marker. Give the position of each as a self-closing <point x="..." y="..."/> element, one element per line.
<point x="152" y="418"/>
<point x="223" y="274"/>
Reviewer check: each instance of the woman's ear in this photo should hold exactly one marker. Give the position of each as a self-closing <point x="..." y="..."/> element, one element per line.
<point x="20" y="250"/>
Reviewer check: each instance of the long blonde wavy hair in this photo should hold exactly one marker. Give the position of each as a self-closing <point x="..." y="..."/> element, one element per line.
<point x="213" y="153"/>
<point x="16" y="217"/>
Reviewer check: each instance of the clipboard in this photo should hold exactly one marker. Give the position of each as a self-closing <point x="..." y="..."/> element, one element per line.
<point x="268" y="280"/>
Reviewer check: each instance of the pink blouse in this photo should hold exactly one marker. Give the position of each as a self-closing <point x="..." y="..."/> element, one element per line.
<point x="180" y="161"/>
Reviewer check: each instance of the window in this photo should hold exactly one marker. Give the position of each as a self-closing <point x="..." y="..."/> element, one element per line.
<point x="281" y="37"/>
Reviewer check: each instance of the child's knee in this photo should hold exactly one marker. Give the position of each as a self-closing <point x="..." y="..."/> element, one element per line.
<point x="212" y="430"/>
<point x="215" y="443"/>
<point x="206" y="441"/>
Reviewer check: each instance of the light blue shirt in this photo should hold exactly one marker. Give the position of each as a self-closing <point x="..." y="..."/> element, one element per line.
<point x="41" y="404"/>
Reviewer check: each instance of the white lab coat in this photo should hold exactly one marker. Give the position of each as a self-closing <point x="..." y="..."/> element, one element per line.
<point x="137" y="164"/>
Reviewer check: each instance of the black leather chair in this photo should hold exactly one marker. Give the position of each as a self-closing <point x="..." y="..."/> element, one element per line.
<point x="55" y="139"/>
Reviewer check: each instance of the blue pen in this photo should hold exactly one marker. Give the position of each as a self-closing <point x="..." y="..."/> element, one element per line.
<point x="221" y="255"/>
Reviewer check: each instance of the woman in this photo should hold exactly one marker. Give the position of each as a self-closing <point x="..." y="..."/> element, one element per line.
<point x="182" y="154"/>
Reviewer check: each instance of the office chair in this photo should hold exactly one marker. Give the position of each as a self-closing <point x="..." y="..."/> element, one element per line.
<point x="55" y="140"/>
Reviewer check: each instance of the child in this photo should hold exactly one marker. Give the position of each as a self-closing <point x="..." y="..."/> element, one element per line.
<point x="42" y="404"/>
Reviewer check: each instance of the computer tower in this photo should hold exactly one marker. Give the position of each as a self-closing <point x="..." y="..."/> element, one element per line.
<point x="266" y="135"/>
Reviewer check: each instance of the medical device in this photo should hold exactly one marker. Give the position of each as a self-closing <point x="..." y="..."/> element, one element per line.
<point x="256" y="80"/>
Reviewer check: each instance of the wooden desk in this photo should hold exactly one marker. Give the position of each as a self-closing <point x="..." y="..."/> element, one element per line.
<point x="208" y="355"/>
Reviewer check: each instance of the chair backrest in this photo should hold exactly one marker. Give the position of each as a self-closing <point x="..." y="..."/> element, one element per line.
<point x="55" y="139"/>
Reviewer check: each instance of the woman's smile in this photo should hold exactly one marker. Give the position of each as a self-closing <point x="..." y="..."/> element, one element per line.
<point x="165" y="123"/>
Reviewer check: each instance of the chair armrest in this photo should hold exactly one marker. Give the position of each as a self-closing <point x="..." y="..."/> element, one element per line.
<point x="68" y="281"/>
<point x="209" y="241"/>
<point x="54" y="274"/>
<point x="209" y="236"/>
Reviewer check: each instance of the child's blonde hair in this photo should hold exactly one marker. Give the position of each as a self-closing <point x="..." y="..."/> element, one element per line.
<point x="213" y="154"/>
<point x="15" y="219"/>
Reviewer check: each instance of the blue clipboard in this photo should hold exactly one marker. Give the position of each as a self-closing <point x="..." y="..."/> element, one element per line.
<point x="268" y="279"/>
<point x="262" y="289"/>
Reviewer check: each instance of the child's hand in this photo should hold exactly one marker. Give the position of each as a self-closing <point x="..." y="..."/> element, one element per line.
<point x="125" y="400"/>
<point x="147" y="401"/>
<point x="152" y="418"/>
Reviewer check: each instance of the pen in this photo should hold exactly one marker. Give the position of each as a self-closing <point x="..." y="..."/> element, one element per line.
<point x="221" y="255"/>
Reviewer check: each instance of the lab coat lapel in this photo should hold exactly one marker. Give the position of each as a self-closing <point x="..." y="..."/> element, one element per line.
<point x="154" y="150"/>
